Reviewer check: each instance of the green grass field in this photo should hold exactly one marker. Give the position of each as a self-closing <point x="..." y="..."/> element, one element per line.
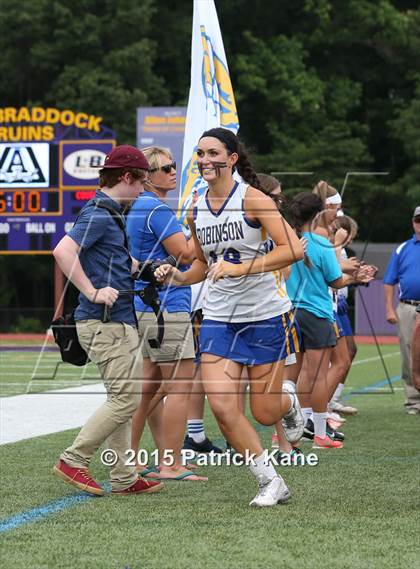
<point x="358" y="508"/>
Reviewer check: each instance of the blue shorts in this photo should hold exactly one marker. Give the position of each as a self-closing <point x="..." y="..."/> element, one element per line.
<point x="251" y="343"/>
<point x="342" y="318"/>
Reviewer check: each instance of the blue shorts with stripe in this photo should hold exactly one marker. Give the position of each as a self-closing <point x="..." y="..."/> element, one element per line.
<point x="251" y="343"/>
<point x="342" y="318"/>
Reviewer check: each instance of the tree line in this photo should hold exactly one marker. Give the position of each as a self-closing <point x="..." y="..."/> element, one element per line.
<point x="324" y="89"/>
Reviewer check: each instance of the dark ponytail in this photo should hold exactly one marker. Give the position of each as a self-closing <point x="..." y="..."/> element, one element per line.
<point x="302" y="209"/>
<point x="245" y="168"/>
<point x="234" y="144"/>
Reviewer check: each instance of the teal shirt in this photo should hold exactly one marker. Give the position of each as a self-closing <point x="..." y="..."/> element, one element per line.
<point x="307" y="287"/>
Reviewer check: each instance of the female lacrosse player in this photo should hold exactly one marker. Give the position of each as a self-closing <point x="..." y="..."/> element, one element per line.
<point x="246" y="322"/>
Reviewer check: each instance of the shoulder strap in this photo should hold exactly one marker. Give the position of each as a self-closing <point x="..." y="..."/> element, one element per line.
<point x="116" y="215"/>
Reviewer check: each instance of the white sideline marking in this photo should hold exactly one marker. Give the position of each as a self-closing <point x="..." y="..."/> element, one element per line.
<point x="37" y="414"/>
<point x="374" y="358"/>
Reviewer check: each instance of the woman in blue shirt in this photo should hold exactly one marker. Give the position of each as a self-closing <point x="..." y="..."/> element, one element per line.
<point x="155" y="233"/>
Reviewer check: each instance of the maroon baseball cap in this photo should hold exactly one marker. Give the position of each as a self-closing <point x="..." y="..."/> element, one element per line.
<point x="126" y="156"/>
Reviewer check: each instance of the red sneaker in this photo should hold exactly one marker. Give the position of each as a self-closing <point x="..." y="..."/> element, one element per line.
<point x="79" y="477"/>
<point x="140" y="486"/>
<point x="326" y="442"/>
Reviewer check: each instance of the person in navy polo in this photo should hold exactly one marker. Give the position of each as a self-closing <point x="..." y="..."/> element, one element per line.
<point x="404" y="270"/>
<point x="94" y="256"/>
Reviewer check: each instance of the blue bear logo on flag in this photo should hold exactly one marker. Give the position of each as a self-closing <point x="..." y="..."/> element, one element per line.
<point x="220" y="111"/>
<point x="217" y="86"/>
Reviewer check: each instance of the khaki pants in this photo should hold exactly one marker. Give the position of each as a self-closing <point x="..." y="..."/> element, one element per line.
<point x="406" y="320"/>
<point x="114" y="348"/>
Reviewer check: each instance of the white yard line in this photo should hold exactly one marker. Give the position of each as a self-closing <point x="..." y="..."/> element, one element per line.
<point x="37" y="414"/>
<point x="374" y="358"/>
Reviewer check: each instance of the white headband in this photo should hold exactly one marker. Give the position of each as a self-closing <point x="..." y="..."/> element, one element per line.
<point x="334" y="200"/>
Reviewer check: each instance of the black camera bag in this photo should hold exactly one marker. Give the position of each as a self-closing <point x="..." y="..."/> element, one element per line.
<point x="65" y="336"/>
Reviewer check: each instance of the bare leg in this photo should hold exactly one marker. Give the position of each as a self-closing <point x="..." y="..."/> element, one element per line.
<point x="154" y="420"/>
<point x="151" y="382"/>
<point x="294" y="370"/>
<point x="243" y="386"/>
<point x="197" y="397"/>
<point x="268" y="402"/>
<point x="313" y="386"/>
<point x="351" y="346"/>
<point x="340" y="366"/>
<point x="284" y="445"/>
<point x="177" y="384"/>
<point x="221" y="380"/>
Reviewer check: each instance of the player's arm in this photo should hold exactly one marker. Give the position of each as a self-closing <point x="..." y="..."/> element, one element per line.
<point x="350" y="265"/>
<point x="198" y="270"/>
<point x="287" y="270"/>
<point x="260" y="208"/>
<point x="346" y="280"/>
<point x="66" y="254"/>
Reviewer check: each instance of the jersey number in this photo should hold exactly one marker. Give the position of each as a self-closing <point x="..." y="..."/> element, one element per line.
<point x="230" y="255"/>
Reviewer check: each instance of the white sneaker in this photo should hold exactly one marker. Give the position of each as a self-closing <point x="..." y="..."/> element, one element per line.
<point x="293" y="422"/>
<point x="339" y="407"/>
<point x="271" y="493"/>
<point x="335" y="416"/>
<point x="413" y="411"/>
<point x="335" y="420"/>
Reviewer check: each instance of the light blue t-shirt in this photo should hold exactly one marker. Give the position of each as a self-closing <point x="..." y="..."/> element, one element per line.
<point x="307" y="287"/>
<point x="150" y="222"/>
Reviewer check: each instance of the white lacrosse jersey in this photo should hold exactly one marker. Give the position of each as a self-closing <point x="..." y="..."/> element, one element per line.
<point x="230" y="235"/>
<point x="343" y="292"/>
<point x="198" y="293"/>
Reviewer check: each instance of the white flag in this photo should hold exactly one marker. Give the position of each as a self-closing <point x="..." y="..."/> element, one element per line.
<point x="211" y="102"/>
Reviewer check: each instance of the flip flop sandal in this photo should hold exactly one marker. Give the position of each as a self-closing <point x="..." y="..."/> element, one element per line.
<point x="150" y="469"/>
<point x="181" y="477"/>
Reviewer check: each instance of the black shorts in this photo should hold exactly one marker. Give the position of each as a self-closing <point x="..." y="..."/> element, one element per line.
<point x="316" y="333"/>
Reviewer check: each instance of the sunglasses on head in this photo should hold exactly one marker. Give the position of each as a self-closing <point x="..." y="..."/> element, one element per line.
<point x="167" y="168"/>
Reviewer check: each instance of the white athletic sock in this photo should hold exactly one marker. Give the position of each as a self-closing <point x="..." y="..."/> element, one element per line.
<point x="196" y="430"/>
<point x="337" y="392"/>
<point x="320" y="424"/>
<point x="290" y="396"/>
<point x="263" y="472"/>
<point x="307" y="413"/>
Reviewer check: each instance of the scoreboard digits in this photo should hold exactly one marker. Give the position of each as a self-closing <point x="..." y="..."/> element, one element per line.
<point x="18" y="202"/>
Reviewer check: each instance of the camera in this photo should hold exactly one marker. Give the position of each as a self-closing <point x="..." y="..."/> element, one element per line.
<point x="146" y="271"/>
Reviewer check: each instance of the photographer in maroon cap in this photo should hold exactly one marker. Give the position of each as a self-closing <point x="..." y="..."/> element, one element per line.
<point x="95" y="258"/>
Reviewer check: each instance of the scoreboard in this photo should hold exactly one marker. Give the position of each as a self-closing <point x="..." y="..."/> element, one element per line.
<point x="44" y="184"/>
